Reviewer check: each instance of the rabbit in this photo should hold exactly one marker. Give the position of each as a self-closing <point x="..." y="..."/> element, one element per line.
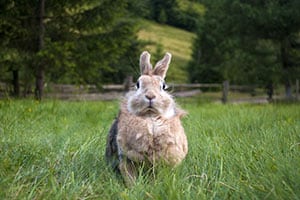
<point x="148" y="129"/>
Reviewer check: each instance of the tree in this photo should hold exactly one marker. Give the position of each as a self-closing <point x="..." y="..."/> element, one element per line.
<point x="247" y="40"/>
<point x="91" y="52"/>
<point x="179" y="13"/>
<point x="16" y="39"/>
<point x="40" y="71"/>
<point x="278" y="21"/>
<point x="73" y="42"/>
<point x="208" y="49"/>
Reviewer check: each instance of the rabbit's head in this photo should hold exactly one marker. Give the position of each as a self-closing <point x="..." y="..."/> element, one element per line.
<point x="150" y="96"/>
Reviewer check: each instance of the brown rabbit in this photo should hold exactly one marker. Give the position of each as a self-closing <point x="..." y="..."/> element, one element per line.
<point x="148" y="129"/>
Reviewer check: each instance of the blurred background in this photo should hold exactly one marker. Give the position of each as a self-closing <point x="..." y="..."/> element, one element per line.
<point x="77" y="45"/>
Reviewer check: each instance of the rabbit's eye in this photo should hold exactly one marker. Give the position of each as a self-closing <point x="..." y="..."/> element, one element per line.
<point x="137" y="85"/>
<point x="164" y="86"/>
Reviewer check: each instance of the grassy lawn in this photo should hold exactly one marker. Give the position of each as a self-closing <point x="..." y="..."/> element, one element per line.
<point x="54" y="150"/>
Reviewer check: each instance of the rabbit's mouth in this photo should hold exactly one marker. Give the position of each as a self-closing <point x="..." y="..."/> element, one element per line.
<point x="150" y="110"/>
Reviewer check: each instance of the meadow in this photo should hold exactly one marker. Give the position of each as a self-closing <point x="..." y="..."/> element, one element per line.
<point x="54" y="150"/>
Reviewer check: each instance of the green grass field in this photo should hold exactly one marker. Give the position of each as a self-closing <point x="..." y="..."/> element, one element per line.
<point x="54" y="150"/>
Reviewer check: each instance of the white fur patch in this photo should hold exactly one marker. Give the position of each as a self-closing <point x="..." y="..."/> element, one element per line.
<point x="169" y="113"/>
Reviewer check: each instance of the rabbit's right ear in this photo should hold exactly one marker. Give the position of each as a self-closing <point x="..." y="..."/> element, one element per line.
<point x="162" y="66"/>
<point x="145" y="65"/>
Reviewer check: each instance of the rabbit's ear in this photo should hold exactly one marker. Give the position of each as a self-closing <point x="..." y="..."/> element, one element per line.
<point x="162" y="66"/>
<point x="145" y="65"/>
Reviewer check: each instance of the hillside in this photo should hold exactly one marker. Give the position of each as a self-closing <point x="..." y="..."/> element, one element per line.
<point x="161" y="38"/>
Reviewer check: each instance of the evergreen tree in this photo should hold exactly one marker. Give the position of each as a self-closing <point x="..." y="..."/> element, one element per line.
<point x="69" y="41"/>
<point x="248" y="41"/>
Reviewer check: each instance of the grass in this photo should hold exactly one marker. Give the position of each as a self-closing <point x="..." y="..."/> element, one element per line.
<point x="54" y="150"/>
<point x="174" y="40"/>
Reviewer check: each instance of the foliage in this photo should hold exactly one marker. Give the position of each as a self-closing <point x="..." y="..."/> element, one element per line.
<point x="54" y="150"/>
<point x="92" y="42"/>
<point x="247" y="42"/>
<point x="96" y="50"/>
<point x="178" y="13"/>
<point x="84" y="42"/>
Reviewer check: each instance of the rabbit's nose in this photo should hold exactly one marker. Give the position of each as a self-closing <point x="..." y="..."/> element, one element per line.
<point x="150" y="96"/>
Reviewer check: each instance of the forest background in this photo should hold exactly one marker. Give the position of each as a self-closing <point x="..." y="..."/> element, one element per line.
<point x="99" y="41"/>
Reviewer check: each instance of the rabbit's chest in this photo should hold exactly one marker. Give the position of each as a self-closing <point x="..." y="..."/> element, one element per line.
<point x="158" y="134"/>
<point x="147" y="135"/>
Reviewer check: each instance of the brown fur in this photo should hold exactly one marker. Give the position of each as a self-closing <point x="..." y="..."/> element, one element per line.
<point x="151" y="138"/>
<point x="148" y="129"/>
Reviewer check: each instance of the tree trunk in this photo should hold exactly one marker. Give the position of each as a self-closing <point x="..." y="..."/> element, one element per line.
<point x="40" y="72"/>
<point x="285" y="45"/>
<point x="270" y="91"/>
<point x="288" y="90"/>
<point x="225" y="91"/>
<point x="15" y="82"/>
<point x="297" y="89"/>
<point x="39" y="83"/>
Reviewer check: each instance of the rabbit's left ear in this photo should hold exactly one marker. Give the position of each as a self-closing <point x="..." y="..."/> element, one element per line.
<point x="162" y="66"/>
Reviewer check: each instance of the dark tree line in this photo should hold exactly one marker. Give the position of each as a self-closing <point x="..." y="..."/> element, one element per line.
<point x="248" y="42"/>
<point x="65" y="41"/>
<point x="94" y="42"/>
